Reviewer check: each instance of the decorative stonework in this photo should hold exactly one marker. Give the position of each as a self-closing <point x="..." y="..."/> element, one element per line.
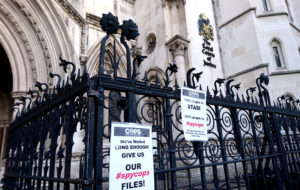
<point x="18" y="94"/>
<point x="84" y="44"/>
<point x="73" y="13"/>
<point x="178" y="49"/>
<point x="94" y="21"/>
<point x="177" y="45"/>
<point x="39" y="34"/>
<point x="93" y="58"/>
<point x="151" y="43"/>
<point x="164" y="2"/>
<point x="4" y="123"/>
<point x="130" y="1"/>
<point x="24" y="38"/>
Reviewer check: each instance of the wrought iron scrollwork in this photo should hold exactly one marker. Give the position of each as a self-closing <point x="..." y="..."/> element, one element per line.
<point x="219" y="81"/>
<point x="251" y="143"/>
<point x="129" y="31"/>
<point x="263" y="92"/>
<point x="172" y="68"/>
<point x="250" y="97"/>
<point x="192" y="80"/>
<point x="136" y="63"/>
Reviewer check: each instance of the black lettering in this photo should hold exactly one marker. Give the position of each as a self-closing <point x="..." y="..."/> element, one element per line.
<point x="136" y="166"/>
<point x="136" y="184"/>
<point x="128" y="155"/>
<point x="140" y="183"/>
<point x="194" y="107"/>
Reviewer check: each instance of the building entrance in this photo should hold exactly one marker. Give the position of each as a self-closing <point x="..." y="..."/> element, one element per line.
<point x="5" y="99"/>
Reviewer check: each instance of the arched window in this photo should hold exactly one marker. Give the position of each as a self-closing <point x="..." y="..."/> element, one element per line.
<point x="266" y="5"/>
<point x="277" y="53"/>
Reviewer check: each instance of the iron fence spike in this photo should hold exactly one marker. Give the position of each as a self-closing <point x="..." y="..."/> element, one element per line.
<point x="228" y="88"/>
<point x="221" y="94"/>
<point x="243" y="99"/>
<point x="84" y="70"/>
<point x="176" y="86"/>
<point x="230" y="119"/>
<point x="256" y="101"/>
<point x="78" y="75"/>
<point x="207" y="92"/>
<point x="63" y="84"/>
<point x="238" y="98"/>
<point x="67" y="82"/>
<point x="145" y="78"/>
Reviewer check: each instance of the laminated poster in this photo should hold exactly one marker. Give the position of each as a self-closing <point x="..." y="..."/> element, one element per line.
<point x="193" y="114"/>
<point x="131" y="157"/>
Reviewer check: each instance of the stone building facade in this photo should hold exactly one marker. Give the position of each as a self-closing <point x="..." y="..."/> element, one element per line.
<point x="224" y="39"/>
<point x="261" y="36"/>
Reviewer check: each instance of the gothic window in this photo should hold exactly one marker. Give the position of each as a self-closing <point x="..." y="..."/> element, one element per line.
<point x="107" y="64"/>
<point x="266" y="5"/>
<point x="277" y="54"/>
<point x="108" y="70"/>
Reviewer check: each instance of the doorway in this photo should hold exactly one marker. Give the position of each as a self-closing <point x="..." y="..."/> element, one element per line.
<point x="5" y="100"/>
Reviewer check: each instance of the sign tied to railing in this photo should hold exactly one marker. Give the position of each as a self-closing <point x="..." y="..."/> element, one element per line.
<point x="193" y="110"/>
<point x="131" y="159"/>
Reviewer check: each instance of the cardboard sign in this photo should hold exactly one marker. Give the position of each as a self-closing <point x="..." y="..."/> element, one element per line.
<point x="193" y="112"/>
<point x="131" y="157"/>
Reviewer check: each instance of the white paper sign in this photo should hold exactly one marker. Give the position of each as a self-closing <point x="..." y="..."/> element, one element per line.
<point x="131" y="158"/>
<point x="193" y="112"/>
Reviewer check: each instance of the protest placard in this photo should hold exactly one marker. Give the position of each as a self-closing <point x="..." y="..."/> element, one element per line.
<point x="193" y="112"/>
<point x="131" y="158"/>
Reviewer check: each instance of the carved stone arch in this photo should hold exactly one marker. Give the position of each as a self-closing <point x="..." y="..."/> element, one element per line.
<point x="33" y="40"/>
<point x="23" y="72"/>
<point x="50" y="30"/>
<point x="276" y="39"/>
<point x="94" y="55"/>
<point x="152" y="72"/>
<point x="155" y="104"/>
<point x="60" y="33"/>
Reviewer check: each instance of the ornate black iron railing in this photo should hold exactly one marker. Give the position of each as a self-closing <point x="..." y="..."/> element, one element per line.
<point x="60" y="136"/>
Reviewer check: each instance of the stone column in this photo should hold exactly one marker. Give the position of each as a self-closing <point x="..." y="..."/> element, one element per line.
<point x="178" y="47"/>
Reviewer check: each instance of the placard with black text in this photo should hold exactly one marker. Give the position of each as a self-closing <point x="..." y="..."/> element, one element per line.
<point x="131" y="157"/>
<point x="193" y="112"/>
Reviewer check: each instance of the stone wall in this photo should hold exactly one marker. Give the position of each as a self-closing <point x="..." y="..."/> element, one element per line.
<point x="246" y="35"/>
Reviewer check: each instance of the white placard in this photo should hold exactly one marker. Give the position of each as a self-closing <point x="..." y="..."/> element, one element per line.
<point x="193" y="112"/>
<point x="131" y="157"/>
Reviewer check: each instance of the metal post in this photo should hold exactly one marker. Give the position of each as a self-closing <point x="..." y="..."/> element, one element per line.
<point x="99" y="139"/>
<point x="223" y="148"/>
<point x="171" y="144"/>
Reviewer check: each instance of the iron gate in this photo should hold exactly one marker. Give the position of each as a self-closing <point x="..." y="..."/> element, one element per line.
<point x="252" y="144"/>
